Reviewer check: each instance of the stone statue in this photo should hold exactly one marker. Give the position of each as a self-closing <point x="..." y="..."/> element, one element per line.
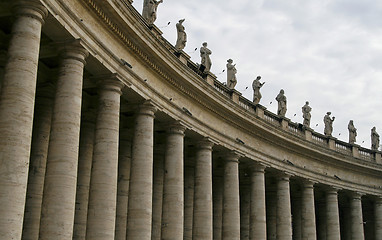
<point x="282" y="104"/>
<point x="328" y="121"/>
<point x="306" y="109"/>
<point x="231" y="74"/>
<point x="374" y="139"/>
<point x="149" y="12"/>
<point x="205" y="55"/>
<point x="182" y="36"/>
<point x="256" y="85"/>
<point x="352" y="132"/>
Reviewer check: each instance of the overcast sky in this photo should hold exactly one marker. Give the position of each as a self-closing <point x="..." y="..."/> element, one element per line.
<point x="327" y="52"/>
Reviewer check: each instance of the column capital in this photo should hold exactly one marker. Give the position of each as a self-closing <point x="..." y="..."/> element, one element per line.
<point x="176" y="128"/>
<point x="73" y="49"/>
<point x="110" y="83"/>
<point x="205" y="143"/>
<point x="257" y="167"/>
<point x="284" y="176"/>
<point x="232" y="156"/>
<point x="147" y="108"/>
<point x="307" y="183"/>
<point x="30" y="8"/>
<point x="332" y="190"/>
<point x="356" y="195"/>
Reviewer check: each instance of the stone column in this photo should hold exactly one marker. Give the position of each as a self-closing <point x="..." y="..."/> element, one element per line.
<point x="39" y="152"/>
<point x="203" y="225"/>
<point x="308" y="216"/>
<point x="158" y="191"/>
<point x="139" y="218"/>
<point x="378" y="218"/>
<point x="357" y="231"/>
<point x="245" y="208"/>
<point x="231" y="201"/>
<point x="188" y="201"/>
<point x="217" y="192"/>
<point x="16" y="110"/>
<point x="104" y="178"/>
<point x="124" y="163"/>
<point x="284" y="218"/>
<point x="332" y="215"/>
<point x="61" y="171"/>
<point x="173" y="188"/>
<point x="85" y="159"/>
<point x="258" y="227"/>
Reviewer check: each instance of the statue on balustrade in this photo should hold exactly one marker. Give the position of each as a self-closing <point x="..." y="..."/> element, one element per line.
<point x="205" y="55"/>
<point x="306" y="109"/>
<point x="282" y="103"/>
<point x="374" y="139"/>
<point x="182" y="36"/>
<point x="328" y="121"/>
<point x="352" y="132"/>
<point x="149" y="12"/>
<point x="256" y="85"/>
<point x="231" y="74"/>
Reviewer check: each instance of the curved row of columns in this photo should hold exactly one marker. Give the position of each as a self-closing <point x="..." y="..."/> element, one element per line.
<point x="85" y="182"/>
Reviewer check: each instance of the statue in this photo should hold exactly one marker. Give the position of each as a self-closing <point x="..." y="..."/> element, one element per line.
<point x="205" y="55"/>
<point x="328" y="121"/>
<point x="256" y="85"/>
<point x="182" y="36"/>
<point x="374" y="139"/>
<point x="149" y="12"/>
<point x="282" y="104"/>
<point x="352" y="132"/>
<point x="231" y="74"/>
<point x="306" y="109"/>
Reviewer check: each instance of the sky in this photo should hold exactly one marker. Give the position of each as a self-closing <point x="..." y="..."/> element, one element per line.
<point x="327" y="52"/>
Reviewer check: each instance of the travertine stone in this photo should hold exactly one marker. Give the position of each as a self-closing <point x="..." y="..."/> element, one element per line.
<point x="85" y="159"/>
<point x="188" y="201"/>
<point x="245" y="203"/>
<point x="284" y="218"/>
<point x="378" y="217"/>
<point x="332" y="215"/>
<point x="158" y="191"/>
<point x="124" y="164"/>
<point x="141" y="178"/>
<point x="16" y="111"/>
<point x="258" y="227"/>
<point x="61" y="171"/>
<point x="217" y="190"/>
<point x="173" y="188"/>
<point x="231" y="202"/>
<point x="357" y="231"/>
<point x="202" y="225"/>
<point x="104" y="177"/>
<point x="39" y="152"/>
<point x="308" y="216"/>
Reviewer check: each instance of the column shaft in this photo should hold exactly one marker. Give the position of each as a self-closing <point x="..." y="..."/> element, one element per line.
<point x="332" y="215"/>
<point x="357" y="230"/>
<point x="203" y="224"/>
<point x="231" y="201"/>
<point x="141" y="178"/>
<point x="378" y="218"/>
<point x="124" y="164"/>
<point x="173" y="188"/>
<point x="158" y="192"/>
<point x="85" y="159"/>
<point x="258" y="227"/>
<point x="188" y="202"/>
<point x="36" y="177"/>
<point x="104" y="178"/>
<point x="284" y="218"/>
<point x="308" y="215"/>
<point x="17" y="99"/>
<point x="61" y="171"/>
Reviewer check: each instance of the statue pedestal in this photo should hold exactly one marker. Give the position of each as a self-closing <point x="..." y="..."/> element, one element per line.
<point x="235" y="95"/>
<point x="332" y="142"/>
<point x="284" y="123"/>
<point x="377" y="157"/>
<point x="210" y="78"/>
<point x="260" y="110"/>
<point x="183" y="57"/>
<point x="354" y="149"/>
<point x="154" y="29"/>
<point x="308" y="133"/>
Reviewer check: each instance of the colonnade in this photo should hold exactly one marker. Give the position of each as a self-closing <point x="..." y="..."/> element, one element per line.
<point x="82" y="176"/>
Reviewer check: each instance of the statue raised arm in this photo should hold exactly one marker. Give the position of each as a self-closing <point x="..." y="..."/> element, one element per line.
<point x="328" y="121"/>
<point x="205" y="57"/>
<point x="149" y="12"/>
<point x="231" y="74"/>
<point x="256" y="85"/>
